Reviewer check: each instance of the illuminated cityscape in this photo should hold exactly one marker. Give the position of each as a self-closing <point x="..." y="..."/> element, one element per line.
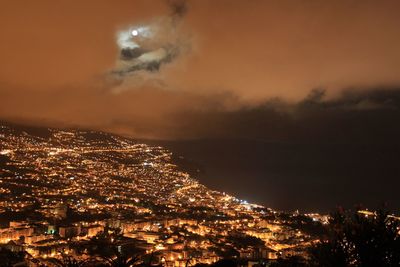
<point x="199" y="133"/>
<point x="70" y="186"/>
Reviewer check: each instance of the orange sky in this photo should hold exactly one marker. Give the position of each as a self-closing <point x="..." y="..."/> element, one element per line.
<point x="55" y="56"/>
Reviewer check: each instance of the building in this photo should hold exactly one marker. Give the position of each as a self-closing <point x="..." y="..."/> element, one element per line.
<point x="9" y="234"/>
<point x="94" y="230"/>
<point x="69" y="231"/>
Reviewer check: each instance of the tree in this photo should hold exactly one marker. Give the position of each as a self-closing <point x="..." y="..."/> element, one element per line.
<point x="69" y="261"/>
<point x="9" y="258"/>
<point x="115" y="253"/>
<point x="120" y="259"/>
<point x="225" y="263"/>
<point x="356" y="239"/>
<point x="293" y="261"/>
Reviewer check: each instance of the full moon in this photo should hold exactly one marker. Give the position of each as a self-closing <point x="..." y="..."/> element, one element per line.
<point x="135" y="33"/>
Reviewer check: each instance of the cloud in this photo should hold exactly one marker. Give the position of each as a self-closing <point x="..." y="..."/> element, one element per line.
<point x="165" y="114"/>
<point x="179" y="8"/>
<point x="146" y="47"/>
<point x="211" y="68"/>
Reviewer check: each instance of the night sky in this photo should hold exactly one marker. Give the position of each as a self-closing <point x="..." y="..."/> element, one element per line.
<point x="291" y="104"/>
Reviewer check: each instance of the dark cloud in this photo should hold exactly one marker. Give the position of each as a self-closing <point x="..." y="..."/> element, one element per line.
<point x="179" y="8"/>
<point x="363" y="116"/>
<point x="146" y="46"/>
